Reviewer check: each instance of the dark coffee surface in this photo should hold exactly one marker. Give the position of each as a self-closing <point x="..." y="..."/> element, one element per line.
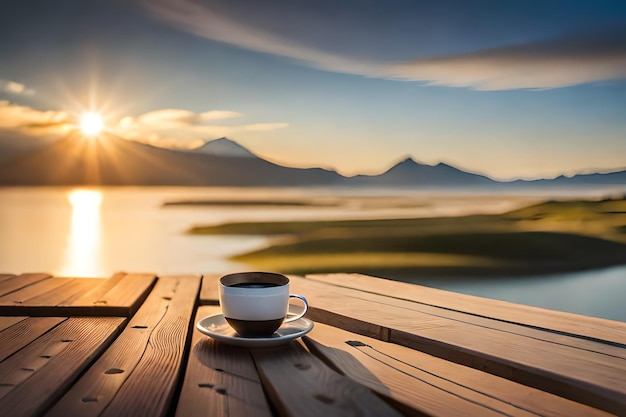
<point x="256" y="277"/>
<point x="254" y="285"/>
<point x="254" y="328"/>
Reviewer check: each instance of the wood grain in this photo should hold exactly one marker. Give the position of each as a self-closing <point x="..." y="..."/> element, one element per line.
<point x="93" y="295"/>
<point x="138" y="373"/>
<point x="68" y="292"/>
<point x="120" y="295"/>
<point x="506" y="327"/>
<point x="22" y="295"/>
<point x="20" y="281"/>
<point x="301" y="385"/>
<point x="220" y="380"/>
<point x="585" y="376"/>
<point x="129" y="292"/>
<point x="430" y="384"/>
<point x="6" y="322"/>
<point x="33" y="378"/>
<point x="24" y="332"/>
<point x="568" y="323"/>
<point x="150" y="388"/>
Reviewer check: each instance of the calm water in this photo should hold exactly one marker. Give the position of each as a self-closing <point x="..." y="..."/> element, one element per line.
<point x="82" y="232"/>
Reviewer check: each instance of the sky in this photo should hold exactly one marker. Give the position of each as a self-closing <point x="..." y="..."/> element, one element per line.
<point x="511" y="89"/>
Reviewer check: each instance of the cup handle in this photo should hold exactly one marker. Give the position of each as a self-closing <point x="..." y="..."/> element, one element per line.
<point x="306" y="307"/>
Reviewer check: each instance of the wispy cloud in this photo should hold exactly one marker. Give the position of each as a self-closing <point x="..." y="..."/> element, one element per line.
<point x="549" y="63"/>
<point x="28" y="120"/>
<point x="179" y="128"/>
<point x="15" y="88"/>
<point x="23" y="128"/>
<point x="174" y="128"/>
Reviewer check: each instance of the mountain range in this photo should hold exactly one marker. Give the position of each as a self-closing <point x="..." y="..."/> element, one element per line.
<point x="111" y="160"/>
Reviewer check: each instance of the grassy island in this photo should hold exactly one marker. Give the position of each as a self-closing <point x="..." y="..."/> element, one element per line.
<point x="553" y="236"/>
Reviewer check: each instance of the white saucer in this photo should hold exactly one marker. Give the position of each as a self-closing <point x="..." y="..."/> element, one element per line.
<point x="216" y="327"/>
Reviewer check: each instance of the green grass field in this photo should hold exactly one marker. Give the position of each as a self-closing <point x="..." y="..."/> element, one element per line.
<point x="548" y="237"/>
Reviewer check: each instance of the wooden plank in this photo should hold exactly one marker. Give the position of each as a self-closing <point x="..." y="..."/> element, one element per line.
<point x="24" y="332"/>
<point x="6" y="277"/>
<point x="138" y="374"/>
<point x="129" y="292"/>
<point x="568" y="323"/>
<point x="90" y="297"/>
<point x="430" y="384"/>
<point x="20" y="296"/>
<point x="507" y="327"/>
<point x="220" y="380"/>
<point x="51" y="286"/>
<point x="299" y="384"/>
<point x="70" y="290"/>
<point x="582" y="375"/>
<point x="6" y="322"/>
<point x="33" y="378"/>
<point x="121" y="297"/>
<point x="208" y="293"/>
<point x="21" y="281"/>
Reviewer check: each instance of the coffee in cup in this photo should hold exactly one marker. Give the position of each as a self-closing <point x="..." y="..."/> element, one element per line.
<point x="255" y="303"/>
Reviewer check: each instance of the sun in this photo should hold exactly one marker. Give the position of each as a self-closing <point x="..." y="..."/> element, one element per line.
<point x="91" y="124"/>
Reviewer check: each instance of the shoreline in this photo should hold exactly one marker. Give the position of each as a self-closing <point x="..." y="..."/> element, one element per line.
<point x="544" y="238"/>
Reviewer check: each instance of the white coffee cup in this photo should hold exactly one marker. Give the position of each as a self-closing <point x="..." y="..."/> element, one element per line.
<point x="255" y="303"/>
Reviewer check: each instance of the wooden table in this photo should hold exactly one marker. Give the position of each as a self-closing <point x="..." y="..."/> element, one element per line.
<point x="127" y="346"/>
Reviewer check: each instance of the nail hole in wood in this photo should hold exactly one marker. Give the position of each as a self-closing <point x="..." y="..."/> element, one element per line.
<point x="113" y="371"/>
<point x="45" y="356"/>
<point x="17" y="302"/>
<point x="89" y="400"/>
<point x="28" y="369"/>
<point x="205" y="385"/>
<point x="167" y="298"/>
<point x="140" y="327"/>
<point x="219" y="369"/>
<point x="302" y="366"/>
<point x="100" y="303"/>
<point x="220" y="390"/>
<point x="66" y="340"/>
<point x="324" y="398"/>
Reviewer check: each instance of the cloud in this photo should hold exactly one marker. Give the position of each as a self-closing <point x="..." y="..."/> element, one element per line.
<point x="172" y="117"/>
<point x="32" y="121"/>
<point x="205" y="21"/>
<point x="219" y="115"/>
<point x="173" y="128"/>
<point x="179" y="128"/>
<point x="24" y="128"/>
<point x="15" y="88"/>
<point x="546" y="63"/>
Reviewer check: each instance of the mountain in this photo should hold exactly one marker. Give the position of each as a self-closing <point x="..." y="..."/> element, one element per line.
<point x="110" y="160"/>
<point x="12" y="144"/>
<point x="610" y="178"/>
<point x="224" y="147"/>
<point x="411" y="173"/>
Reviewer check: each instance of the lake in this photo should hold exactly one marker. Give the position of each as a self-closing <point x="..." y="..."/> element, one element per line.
<point x="96" y="232"/>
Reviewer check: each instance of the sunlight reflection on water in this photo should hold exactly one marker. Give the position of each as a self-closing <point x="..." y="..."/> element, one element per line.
<point x="83" y="254"/>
